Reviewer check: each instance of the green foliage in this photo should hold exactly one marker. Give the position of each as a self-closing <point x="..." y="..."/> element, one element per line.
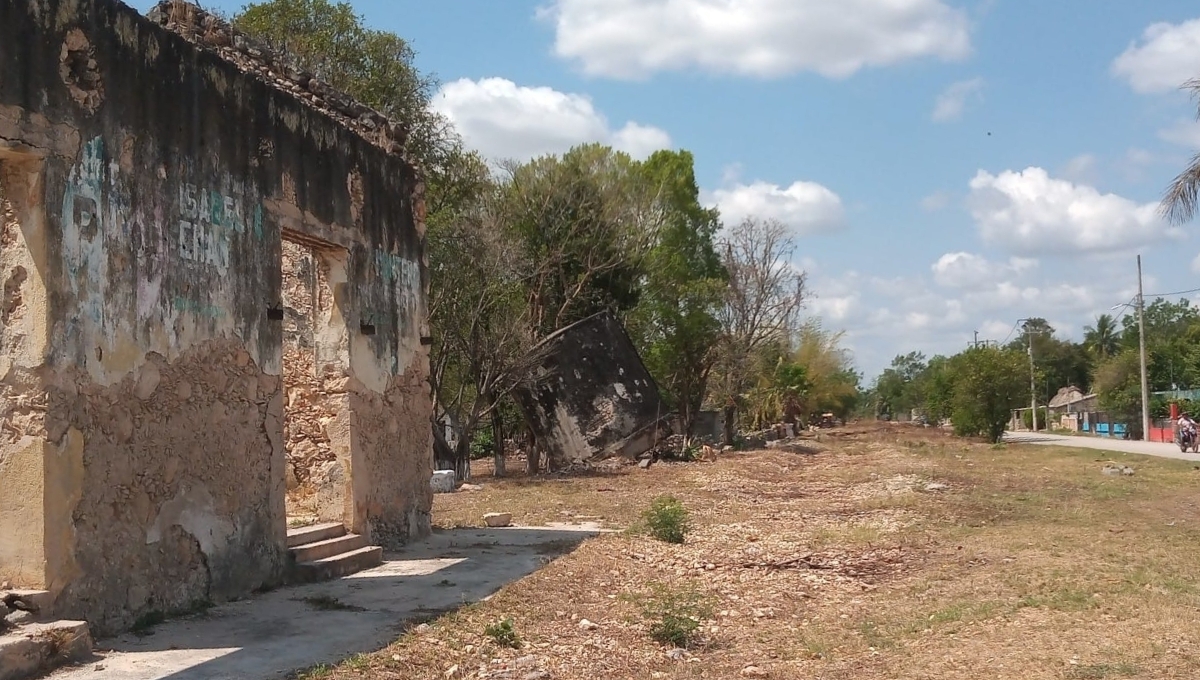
<point x="1119" y="388"/>
<point x="1043" y="418"/>
<point x="503" y="633"/>
<point x="987" y="383"/>
<point x="667" y="519"/>
<point x="674" y="615"/>
<point x="675" y="322"/>
<point x="483" y="444"/>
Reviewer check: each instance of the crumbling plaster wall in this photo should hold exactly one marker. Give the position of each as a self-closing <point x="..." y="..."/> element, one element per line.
<point x="591" y="395"/>
<point x="167" y="178"/>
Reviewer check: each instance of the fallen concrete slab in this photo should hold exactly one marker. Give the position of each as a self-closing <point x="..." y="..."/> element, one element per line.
<point x="290" y="629"/>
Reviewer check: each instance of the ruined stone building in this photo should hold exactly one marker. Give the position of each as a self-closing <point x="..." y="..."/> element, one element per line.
<point x="213" y="291"/>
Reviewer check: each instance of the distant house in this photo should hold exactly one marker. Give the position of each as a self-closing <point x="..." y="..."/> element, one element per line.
<point x="1071" y="399"/>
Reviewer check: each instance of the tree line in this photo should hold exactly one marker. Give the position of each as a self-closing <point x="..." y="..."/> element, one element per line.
<point x="1105" y="362"/>
<point x="520" y="249"/>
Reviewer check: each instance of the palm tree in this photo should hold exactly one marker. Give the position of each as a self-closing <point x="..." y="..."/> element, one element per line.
<point x="1102" y="338"/>
<point x="1182" y="198"/>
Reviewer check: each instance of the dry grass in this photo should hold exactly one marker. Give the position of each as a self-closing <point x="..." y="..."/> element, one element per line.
<point x="1029" y="564"/>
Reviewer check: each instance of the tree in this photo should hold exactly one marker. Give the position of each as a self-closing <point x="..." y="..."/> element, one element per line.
<point x="585" y="221"/>
<point x="760" y="310"/>
<point x="1118" y="385"/>
<point x="828" y="368"/>
<point x="1180" y="201"/>
<point x="987" y="384"/>
<point x="675" y="323"/>
<point x="1103" y="338"/>
<point x="375" y="67"/>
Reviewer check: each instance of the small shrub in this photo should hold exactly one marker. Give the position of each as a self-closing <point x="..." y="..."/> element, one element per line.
<point x="674" y="616"/>
<point x="667" y="519"/>
<point x="328" y="603"/>
<point x="503" y="633"/>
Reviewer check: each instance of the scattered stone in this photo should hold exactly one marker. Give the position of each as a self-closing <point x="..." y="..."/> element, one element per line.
<point x="1117" y="470"/>
<point x="470" y="487"/>
<point x="443" y="481"/>
<point x="754" y="672"/>
<point x="936" y="486"/>
<point x="525" y="662"/>
<point x="677" y="654"/>
<point x="452" y="671"/>
<point x="645" y="463"/>
<point x="498" y="519"/>
<point x="19" y="617"/>
<point x="584" y="624"/>
<point x="538" y="675"/>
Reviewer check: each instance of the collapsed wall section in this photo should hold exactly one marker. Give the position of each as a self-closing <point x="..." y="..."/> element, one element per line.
<point x="591" y="395"/>
<point x="166" y="179"/>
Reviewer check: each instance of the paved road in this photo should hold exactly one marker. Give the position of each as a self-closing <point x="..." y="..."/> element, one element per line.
<point x="1102" y="444"/>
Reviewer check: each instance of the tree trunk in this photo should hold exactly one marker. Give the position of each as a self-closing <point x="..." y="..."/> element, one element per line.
<point x="533" y="454"/>
<point x="462" y="459"/>
<point x="443" y="454"/>
<point x="730" y="422"/>
<point x="498" y="439"/>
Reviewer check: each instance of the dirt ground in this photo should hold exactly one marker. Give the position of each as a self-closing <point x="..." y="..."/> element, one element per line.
<point x="888" y="553"/>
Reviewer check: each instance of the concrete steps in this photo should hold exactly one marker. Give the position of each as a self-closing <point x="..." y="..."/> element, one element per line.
<point x="326" y="551"/>
<point x="33" y="649"/>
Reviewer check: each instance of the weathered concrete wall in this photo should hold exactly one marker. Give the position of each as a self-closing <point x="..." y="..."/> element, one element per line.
<point x="166" y="178"/>
<point x="592" y="395"/>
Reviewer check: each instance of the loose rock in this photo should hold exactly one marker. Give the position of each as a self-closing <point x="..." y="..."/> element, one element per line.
<point x="498" y="519"/>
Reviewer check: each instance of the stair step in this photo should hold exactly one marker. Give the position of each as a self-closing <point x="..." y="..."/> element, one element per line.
<point x="41" y="600"/>
<point x="340" y="565"/>
<point x="39" y="648"/>
<point x="311" y="552"/>
<point x="314" y="533"/>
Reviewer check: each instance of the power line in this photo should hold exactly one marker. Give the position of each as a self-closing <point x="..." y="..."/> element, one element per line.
<point x="1181" y="292"/>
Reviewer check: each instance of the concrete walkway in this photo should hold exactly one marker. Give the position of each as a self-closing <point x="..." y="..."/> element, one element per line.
<point x="290" y="629"/>
<point x="1102" y="444"/>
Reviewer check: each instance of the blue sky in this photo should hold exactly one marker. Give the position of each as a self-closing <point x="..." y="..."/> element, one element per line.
<point x="864" y="124"/>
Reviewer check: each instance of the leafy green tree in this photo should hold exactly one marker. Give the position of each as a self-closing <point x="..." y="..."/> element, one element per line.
<point x="675" y="323"/>
<point x="987" y="384"/>
<point x="1118" y="385"/>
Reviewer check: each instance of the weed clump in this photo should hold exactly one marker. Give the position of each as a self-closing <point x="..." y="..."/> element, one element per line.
<point x="667" y="519"/>
<point x="674" y="616"/>
<point x="503" y="633"/>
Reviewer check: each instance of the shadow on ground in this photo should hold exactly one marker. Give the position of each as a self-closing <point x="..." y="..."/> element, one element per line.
<point x="278" y="633"/>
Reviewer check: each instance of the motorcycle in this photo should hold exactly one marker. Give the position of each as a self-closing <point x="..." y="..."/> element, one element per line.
<point x="1188" y="439"/>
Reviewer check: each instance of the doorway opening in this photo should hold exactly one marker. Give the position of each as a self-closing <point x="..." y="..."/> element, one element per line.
<point x="24" y="513"/>
<point x="315" y="363"/>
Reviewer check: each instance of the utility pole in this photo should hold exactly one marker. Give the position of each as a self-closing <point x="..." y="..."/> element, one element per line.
<point x="976" y="343"/>
<point x="1141" y="307"/>
<point x="1032" y="378"/>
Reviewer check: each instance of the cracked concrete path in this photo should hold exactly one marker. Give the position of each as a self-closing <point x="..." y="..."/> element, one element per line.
<point x="286" y="630"/>
<point x="1101" y="444"/>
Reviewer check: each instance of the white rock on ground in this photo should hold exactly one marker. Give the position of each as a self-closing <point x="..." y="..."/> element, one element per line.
<point x="498" y="519"/>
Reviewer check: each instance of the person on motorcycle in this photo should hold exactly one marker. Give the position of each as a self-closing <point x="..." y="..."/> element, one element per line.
<point x="1187" y="430"/>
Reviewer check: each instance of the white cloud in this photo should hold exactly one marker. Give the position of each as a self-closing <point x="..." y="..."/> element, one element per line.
<point x="936" y="201"/>
<point x="501" y="120"/>
<point x="1185" y="133"/>
<point x="970" y="271"/>
<point x="632" y="39"/>
<point x="1030" y="212"/>
<point x="1167" y="56"/>
<point x="951" y="102"/>
<point x="807" y="207"/>
<point x="1196" y="265"/>
<point x="1081" y="168"/>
